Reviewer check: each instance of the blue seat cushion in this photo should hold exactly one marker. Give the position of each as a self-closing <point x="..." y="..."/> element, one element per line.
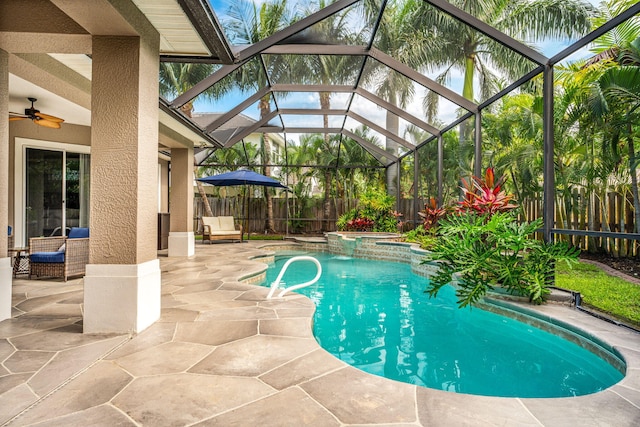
<point x="78" y="233"/>
<point x="47" y="257"/>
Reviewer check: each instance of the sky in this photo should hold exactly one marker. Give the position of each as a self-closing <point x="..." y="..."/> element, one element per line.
<point x="447" y="109"/>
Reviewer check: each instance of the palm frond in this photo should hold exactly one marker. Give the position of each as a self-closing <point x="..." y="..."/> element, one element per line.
<point x="547" y="19"/>
<point x="620" y="35"/>
<point x="622" y="83"/>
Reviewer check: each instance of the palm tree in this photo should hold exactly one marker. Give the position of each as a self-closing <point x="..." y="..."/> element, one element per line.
<point x="398" y="37"/>
<point x="456" y="47"/>
<point x="607" y="46"/>
<point x="511" y="141"/>
<point x="232" y="158"/>
<point x="176" y="78"/>
<point x="620" y="89"/>
<point x="304" y="153"/>
<point x="615" y="96"/>
<point x="330" y="70"/>
<point x="463" y="49"/>
<point x="351" y="154"/>
<point x="356" y="154"/>
<point x="408" y="181"/>
<point x="249" y="23"/>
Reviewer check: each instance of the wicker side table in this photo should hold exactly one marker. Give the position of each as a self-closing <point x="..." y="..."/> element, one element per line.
<point x="21" y="261"/>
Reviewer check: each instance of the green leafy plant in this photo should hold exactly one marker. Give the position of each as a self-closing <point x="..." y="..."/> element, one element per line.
<point x="342" y="221"/>
<point x="373" y="213"/>
<point x="426" y="239"/>
<point x="487" y="251"/>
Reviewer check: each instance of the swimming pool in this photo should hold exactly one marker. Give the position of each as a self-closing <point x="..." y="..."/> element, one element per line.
<point x="375" y="316"/>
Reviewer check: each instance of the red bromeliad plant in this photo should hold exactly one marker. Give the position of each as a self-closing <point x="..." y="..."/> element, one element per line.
<point x="360" y="224"/>
<point x="431" y="214"/>
<point x="485" y="196"/>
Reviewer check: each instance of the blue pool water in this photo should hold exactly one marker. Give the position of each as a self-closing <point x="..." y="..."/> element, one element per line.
<point x="375" y="316"/>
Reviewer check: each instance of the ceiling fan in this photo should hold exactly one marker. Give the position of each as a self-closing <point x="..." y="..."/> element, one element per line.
<point x="38" y="118"/>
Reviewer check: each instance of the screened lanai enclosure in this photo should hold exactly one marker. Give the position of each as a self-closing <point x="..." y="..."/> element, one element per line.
<point x="411" y="97"/>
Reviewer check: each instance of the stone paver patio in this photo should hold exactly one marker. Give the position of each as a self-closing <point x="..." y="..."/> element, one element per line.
<point x="222" y="354"/>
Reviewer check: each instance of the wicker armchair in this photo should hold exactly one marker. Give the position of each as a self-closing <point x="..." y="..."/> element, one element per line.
<point x="48" y="257"/>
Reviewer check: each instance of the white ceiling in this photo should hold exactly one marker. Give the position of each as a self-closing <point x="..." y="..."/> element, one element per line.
<point x="48" y="102"/>
<point x="79" y="63"/>
<point x="177" y="37"/>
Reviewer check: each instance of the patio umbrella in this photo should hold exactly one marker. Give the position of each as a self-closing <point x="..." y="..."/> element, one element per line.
<point x="242" y="177"/>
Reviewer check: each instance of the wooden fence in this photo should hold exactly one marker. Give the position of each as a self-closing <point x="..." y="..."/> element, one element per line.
<point x="307" y="220"/>
<point x="612" y="212"/>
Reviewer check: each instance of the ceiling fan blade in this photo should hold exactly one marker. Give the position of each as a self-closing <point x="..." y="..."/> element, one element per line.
<point x="47" y="123"/>
<point x="50" y="118"/>
<point x="15" y="118"/>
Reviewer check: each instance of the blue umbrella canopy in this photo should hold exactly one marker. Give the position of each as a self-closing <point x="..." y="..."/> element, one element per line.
<point x="241" y="177"/>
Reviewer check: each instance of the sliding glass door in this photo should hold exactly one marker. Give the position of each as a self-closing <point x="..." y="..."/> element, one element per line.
<point x="57" y="192"/>
<point x="76" y="187"/>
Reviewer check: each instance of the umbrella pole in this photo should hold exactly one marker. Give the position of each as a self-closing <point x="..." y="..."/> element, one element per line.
<point x="247" y="210"/>
<point x="286" y="204"/>
<point x="244" y="210"/>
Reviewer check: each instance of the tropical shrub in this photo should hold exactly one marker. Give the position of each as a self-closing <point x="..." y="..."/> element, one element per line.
<point x="359" y="224"/>
<point x="485" y="195"/>
<point x="487" y="251"/>
<point x="342" y="221"/>
<point x="432" y="214"/>
<point x="425" y="238"/>
<point x="373" y="213"/>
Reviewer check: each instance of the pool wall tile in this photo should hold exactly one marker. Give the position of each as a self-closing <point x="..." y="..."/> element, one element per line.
<point x="381" y="247"/>
<point x="569" y="332"/>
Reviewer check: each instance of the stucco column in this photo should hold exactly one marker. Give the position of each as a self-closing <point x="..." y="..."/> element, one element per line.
<point x="122" y="283"/>
<point x="5" y="261"/>
<point x="181" y="238"/>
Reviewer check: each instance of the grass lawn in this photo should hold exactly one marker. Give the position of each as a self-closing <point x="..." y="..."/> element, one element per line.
<point x="266" y="237"/>
<point x="605" y="293"/>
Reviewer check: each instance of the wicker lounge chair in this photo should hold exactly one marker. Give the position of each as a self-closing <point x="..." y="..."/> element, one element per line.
<point x="220" y="228"/>
<point x="60" y="256"/>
